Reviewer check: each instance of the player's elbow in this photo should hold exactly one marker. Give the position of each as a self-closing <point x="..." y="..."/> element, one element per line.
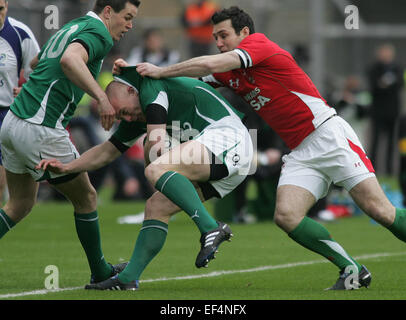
<point x="66" y="61"/>
<point x="71" y="60"/>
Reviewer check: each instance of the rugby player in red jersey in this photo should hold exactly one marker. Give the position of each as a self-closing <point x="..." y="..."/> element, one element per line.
<point x="325" y="149"/>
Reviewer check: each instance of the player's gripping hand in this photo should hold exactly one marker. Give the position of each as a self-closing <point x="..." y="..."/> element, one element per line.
<point x="118" y="64"/>
<point x="149" y="70"/>
<point x="106" y="112"/>
<point x="52" y="165"/>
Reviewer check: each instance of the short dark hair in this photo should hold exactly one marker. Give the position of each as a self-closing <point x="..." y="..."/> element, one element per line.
<point x="117" y="5"/>
<point x="239" y="19"/>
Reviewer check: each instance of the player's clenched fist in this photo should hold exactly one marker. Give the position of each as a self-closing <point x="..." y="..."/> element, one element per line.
<point x="149" y="70"/>
<point x="118" y="64"/>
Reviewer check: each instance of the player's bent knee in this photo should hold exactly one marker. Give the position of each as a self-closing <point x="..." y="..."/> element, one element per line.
<point x="148" y="172"/>
<point x="91" y="197"/>
<point x="279" y="219"/>
<point x="286" y="220"/>
<point x="153" y="172"/>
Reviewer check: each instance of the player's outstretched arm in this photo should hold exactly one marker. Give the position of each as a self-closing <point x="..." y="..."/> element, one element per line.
<point x="195" y="67"/>
<point x="73" y="63"/>
<point x="92" y="159"/>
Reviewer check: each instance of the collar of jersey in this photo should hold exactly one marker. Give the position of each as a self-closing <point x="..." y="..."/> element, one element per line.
<point x="94" y="15"/>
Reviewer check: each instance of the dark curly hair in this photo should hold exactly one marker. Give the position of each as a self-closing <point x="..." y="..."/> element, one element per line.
<point x="239" y="19"/>
<point x="117" y="5"/>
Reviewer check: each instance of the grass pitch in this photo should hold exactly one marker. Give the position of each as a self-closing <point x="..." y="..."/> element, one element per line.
<point x="261" y="263"/>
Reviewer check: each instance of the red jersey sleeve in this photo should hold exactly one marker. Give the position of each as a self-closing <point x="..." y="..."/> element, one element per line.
<point x="254" y="49"/>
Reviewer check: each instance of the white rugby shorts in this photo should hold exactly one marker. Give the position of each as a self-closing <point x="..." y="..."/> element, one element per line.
<point x="24" y="145"/>
<point x="331" y="153"/>
<point x="230" y="141"/>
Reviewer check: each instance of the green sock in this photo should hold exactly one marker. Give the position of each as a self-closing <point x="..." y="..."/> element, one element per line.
<point x="149" y="242"/>
<point x="398" y="227"/>
<point x="5" y="223"/>
<point x="181" y="191"/>
<point x="313" y="236"/>
<point x="88" y="231"/>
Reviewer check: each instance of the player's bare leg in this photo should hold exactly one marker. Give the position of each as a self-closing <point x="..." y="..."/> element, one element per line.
<point x="292" y="205"/>
<point x="190" y="159"/>
<point x="84" y="199"/>
<point x="370" y="197"/>
<point x="160" y="208"/>
<point x="80" y="192"/>
<point x="152" y="237"/>
<point x="3" y="183"/>
<point x="20" y="202"/>
<point x="173" y="173"/>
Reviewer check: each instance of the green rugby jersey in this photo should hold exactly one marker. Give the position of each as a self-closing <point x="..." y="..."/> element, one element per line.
<point x="49" y="98"/>
<point x="191" y="105"/>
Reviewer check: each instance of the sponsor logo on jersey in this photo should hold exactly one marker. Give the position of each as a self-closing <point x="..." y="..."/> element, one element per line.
<point x="252" y="94"/>
<point x="255" y="100"/>
<point x="234" y="84"/>
<point x="182" y="134"/>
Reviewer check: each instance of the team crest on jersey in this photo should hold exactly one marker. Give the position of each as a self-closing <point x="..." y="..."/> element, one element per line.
<point x="3" y="58"/>
<point x="234" y="84"/>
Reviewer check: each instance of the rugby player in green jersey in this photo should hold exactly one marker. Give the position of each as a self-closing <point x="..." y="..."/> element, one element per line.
<point x="213" y="156"/>
<point x="35" y="126"/>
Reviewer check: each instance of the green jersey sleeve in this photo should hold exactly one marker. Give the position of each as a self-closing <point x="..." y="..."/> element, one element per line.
<point x="127" y="134"/>
<point x="153" y="92"/>
<point x="97" y="43"/>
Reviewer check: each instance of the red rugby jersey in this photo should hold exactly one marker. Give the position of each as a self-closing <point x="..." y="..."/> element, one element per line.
<point x="277" y="89"/>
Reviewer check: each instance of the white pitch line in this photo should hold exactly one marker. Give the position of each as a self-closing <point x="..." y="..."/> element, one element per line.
<point x="37" y="292"/>
<point x="211" y="274"/>
<point x="264" y="268"/>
